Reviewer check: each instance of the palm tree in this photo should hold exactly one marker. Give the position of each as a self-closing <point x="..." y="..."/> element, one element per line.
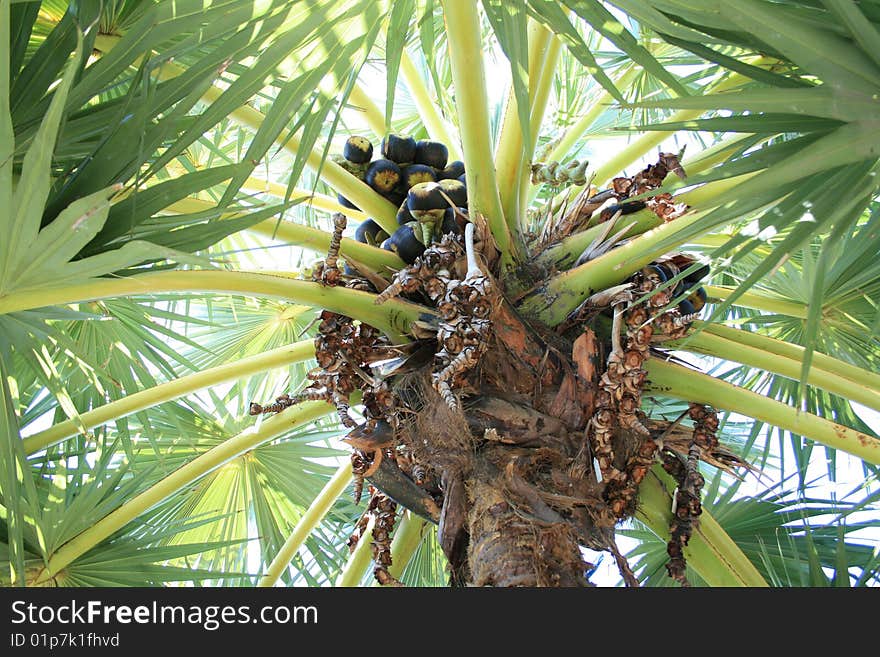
<point x="155" y="156"/>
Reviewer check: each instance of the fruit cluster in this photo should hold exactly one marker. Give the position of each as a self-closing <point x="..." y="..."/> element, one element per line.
<point x="416" y="176"/>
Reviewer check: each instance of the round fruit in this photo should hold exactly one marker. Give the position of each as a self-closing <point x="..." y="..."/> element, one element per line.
<point x="627" y="207"/>
<point x="462" y="179"/>
<point x="686" y="308"/>
<point x="456" y="191"/>
<point x="344" y="202"/>
<point x="358" y="150"/>
<point x="453" y="170"/>
<point x="697" y="276"/>
<point x="659" y="271"/>
<point x="432" y="153"/>
<point x="425" y="196"/>
<point x="405" y="242"/>
<point x="398" y="148"/>
<point x="369" y="232"/>
<point x="417" y="173"/>
<point x="383" y="176"/>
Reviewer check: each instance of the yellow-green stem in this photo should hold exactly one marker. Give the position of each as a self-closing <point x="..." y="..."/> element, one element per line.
<point x="270" y="428"/>
<point x="435" y="124"/>
<point x="306" y="237"/>
<point x="699" y="198"/>
<point x="317" y="200"/>
<point x="710" y="551"/>
<point x="363" y="103"/>
<point x="536" y="117"/>
<point x="392" y="318"/>
<point x="319" y="508"/>
<point x="138" y="401"/>
<point x="357" y="564"/>
<point x="796" y="352"/>
<point x="715" y="345"/>
<point x="682" y="383"/>
<point x="407" y="537"/>
<point x="566" y="291"/>
<point x="758" y="301"/>
<point x="510" y="152"/>
<point x="469" y="79"/>
<point x="315" y="239"/>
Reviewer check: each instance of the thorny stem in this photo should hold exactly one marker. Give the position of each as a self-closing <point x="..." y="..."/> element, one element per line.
<point x="375" y="117"/>
<point x="539" y="107"/>
<point x="644" y="144"/>
<point x="701" y="198"/>
<point x="314" y="199"/>
<point x="276" y="190"/>
<point x="380" y="260"/>
<point x="308" y="237"/>
<point x="597" y="106"/>
<point x="565" y="292"/>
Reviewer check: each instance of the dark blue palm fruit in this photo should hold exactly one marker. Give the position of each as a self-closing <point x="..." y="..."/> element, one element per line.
<point x="417" y="173"/>
<point x="462" y="179"/>
<point x="686" y="308"/>
<point x="431" y="153"/>
<point x="698" y="298"/>
<point x="344" y="202"/>
<point x="358" y="150"/>
<point x="696" y="276"/>
<point x="383" y="176"/>
<point x="369" y="232"/>
<point x="399" y="149"/>
<point x="426" y="204"/>
<point x="453" y="222"/>
<point x="628" y="207"/>
<point x="425" y="197"/>
<point x="456" y="191"/>
<point x="453" y="170"/>
<point x="406" y="242"/>
<point x="659" y="270"/>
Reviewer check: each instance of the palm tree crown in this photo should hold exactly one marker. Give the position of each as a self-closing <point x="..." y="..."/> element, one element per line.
<point x="171" y="173"/>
